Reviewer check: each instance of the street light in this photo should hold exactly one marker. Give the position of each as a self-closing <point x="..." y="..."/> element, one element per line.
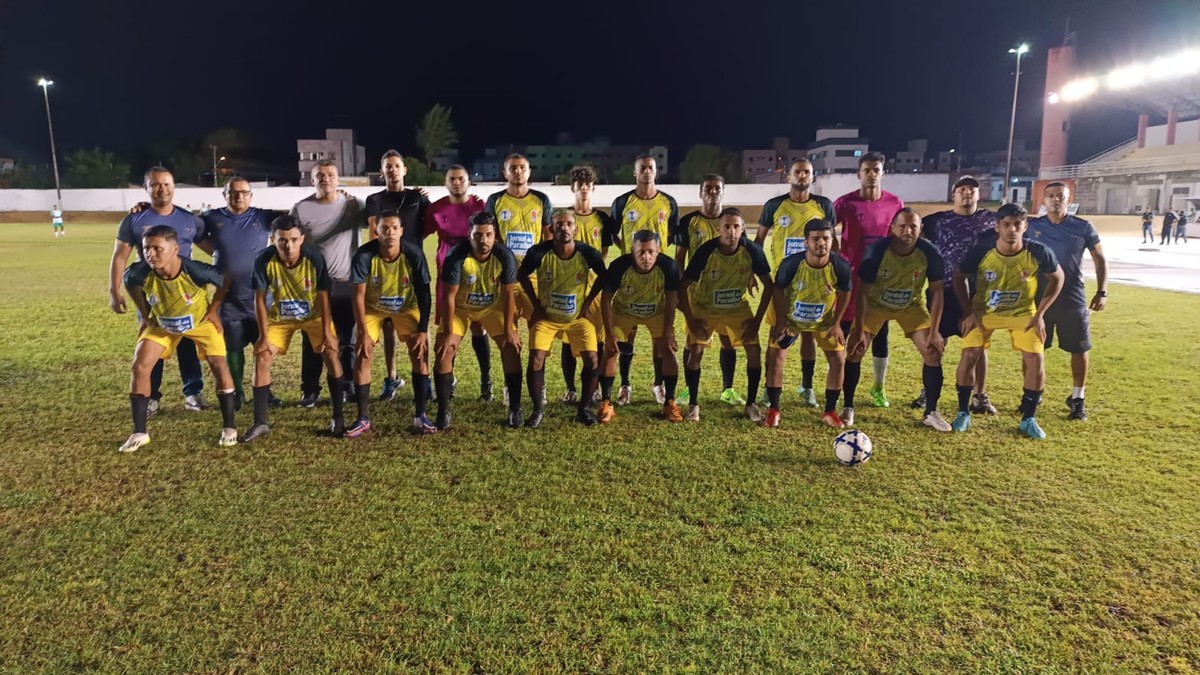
<point x="45" y="85"/>
<point x="1012" y="122"/>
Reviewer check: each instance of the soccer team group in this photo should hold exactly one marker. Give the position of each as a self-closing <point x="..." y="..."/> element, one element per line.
<point x="829" y="275"/>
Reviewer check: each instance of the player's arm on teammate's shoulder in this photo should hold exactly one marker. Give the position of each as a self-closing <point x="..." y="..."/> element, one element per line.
<point x="761" y="270"/>
<point x="765" y="220"/>
<point x="1052" y="272"/>
<point x="596" y="264"/>
<point x="421" y="287"/>
<point x="610" y="287"/>
<point x="529" y="265"/>
<point x="783" y="277"/>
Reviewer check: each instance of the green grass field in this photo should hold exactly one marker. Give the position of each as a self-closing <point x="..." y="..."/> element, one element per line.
<point x="640" y="546"/>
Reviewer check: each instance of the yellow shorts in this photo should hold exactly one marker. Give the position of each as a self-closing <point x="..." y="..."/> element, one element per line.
<point x="910" y="319"/>
<point x="404" y="323"/>
<point x="209" y="342"/>
<point x="596" y="317"/>
<point x="580" y="334"/>
<point x="624" y="325"/>
<point x="729" y="325"/>
<point x="280" y="334"/>
<point x="523" y="306"/>
<point x="823" y="343"/>
<point x="1022" y="340"/>
<point x="492" y="320"/>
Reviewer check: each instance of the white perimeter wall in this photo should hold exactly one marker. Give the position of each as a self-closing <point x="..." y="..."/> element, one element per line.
<point x="927" y="187"/>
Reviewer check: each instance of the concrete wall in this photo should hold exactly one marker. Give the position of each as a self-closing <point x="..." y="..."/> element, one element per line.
<point x="1185" y="132"/>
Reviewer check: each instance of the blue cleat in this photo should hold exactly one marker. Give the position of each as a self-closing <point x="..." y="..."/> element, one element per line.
<point x="961" y="422"/>
<point x="361" y="426"/>
<point x="1030" y="427"/>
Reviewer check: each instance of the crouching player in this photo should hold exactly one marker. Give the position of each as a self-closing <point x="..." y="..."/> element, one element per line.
<point x="812" y="290"/>
<point x="172" y="301"/>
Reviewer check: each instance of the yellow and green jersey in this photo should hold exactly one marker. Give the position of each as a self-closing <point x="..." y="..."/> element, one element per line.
<point x="562" y="285"/>
<point x="178" y="304"/>
<point x="695" y="229"/>
<point x="393" y="286"/>
<point x="659" y="214"/>
<point x="292" y="290"/>
<point x="810" y="293"/>
<point x="639" y="295"/>
<point x="784" y="221"/>
<point x="520" y="219"/>
<point x="721" y="282"/>
<point x="479" y="282"/>
<point x="899" y="281"/>
<point x="1006" y="285"/>
<point x="596" y="229"/>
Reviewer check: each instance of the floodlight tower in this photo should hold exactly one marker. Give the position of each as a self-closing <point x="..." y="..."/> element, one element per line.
<point x="1012" y="122"/>
<point x="1056" y="117"/>
<point x="45" y="85"/>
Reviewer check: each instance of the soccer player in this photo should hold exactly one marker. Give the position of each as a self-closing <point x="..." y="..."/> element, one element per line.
<point x="1006" y="273"/>
<point x="1181" y="226"/>
<point x="1169" y="219"/>
<point x="1068" y="236"/>
<point x="169" y="292"/>
<point x="160" y="185"/>
<point x="560" y="302"/>
<point x="641" y="289"/>
<point x="478" y="278"/>
<point x="714" y="297"/>
<point x="812" y="290"/>
<point x="294" y="274"/>
<point x="333" y="222"/>
<point x="954" y="232"/>
<point x="643" y="208"/>
<point x="412" y="206"/>
<point x="56" y="219"/>
<point x="892" y="279"/>
<point x="391" y="281"/>
<point x="785" y="218"/>
<point x="865" y="216"/>
<point x="1148" y="226"/>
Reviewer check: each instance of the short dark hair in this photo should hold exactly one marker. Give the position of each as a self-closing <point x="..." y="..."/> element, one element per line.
<point x="326" y="162"/>
<point x="647" y="236"/>
<point x="817" y="225"/>
<point x="1057" y="183"/>
<point x="515" y="155"/>
<point x="644" y="155"/>
<point x="583" y="174"/>
<point x="234" y="179"/>
<point x="483" y="218"/>
<point x="165" y="231"/>
<point x="458" y="167"/>
<point x="1011" y="210"/>
<point x="732" y="211"/>
<point x="712" y="176"/>
<point x="562" y="212"/>
<point x="391" y="153"/>
<point x="389" y="213"/>
<point x="872" y="156"/>
<point x="800" y="160"/>
<point x="285" y="222"/>
<point x="907" y="209"/>
<point x="155" y="169"/>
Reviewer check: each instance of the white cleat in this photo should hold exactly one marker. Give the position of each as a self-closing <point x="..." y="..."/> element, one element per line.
<point x="134" y="442"/>
<point x="693" y="413"/>
<point x="935" y="420"/>
<point x="754" y="413"/>
<point x="229" y="438"/>
<point x="848" y="416"/>
<point x="625" y="395"/>
<point x="660" y="393"/>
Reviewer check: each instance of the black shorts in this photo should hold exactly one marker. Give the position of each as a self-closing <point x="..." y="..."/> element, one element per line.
<point x="952" y="316"/>
<point x="1071" y="322"/>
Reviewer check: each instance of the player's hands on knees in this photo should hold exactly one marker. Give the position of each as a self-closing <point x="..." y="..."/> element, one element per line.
<point x="610" y="344"/>
<point x="143" y="326"/>
<point x="749" y="330"/>
<point x="420" y="345"/>
<point x="364" y="349"/>
<point x="511" y="338"/>
<point x="331" y="343"/>
<point x="1097" y="303"/>
<point x="116" y="302"/>
<point x="858" y="341"/>
<point x="669" y="342"/>
<point x="835" y="333"/>
<point x="215" y="319"/>
<point x="264" y="346"/>
<point x="937" y="343"/>
<point x="969" y="323"/>
<point x="1039" y="327"/>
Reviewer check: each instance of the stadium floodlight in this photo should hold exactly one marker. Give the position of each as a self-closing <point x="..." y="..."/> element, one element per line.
<point x="45" y="85"/>
<point x="1023" y="49"/>
<point x="1182" y="64"/>
<point x="1012" y="122"/>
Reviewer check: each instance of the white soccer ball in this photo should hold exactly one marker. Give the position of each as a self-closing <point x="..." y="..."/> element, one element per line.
<point x="852" y="447"/>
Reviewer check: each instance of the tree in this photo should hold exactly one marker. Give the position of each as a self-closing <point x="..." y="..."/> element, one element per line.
<point x="623" y="175"/>
<point x="419" y="174"/>
<point x="436" y="134"/>
<point x="95" y="169"/>
<point x="704" y="159"/>
<point x="28" y="177"/>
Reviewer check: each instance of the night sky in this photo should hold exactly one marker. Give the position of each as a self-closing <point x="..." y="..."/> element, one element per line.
<point x="678" y="73"/>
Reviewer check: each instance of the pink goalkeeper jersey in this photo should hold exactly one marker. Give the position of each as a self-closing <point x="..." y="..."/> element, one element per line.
<point x="863" y="223"/>
<point x="451" y="222"/>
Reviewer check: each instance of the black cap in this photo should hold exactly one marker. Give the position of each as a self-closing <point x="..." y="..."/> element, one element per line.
<point x="966" y="181"/>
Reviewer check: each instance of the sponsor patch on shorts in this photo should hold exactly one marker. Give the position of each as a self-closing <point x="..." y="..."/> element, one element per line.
<point x="997" y="299"/>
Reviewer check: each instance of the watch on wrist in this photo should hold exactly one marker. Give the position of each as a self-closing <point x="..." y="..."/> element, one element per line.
<point x="1103" y="294"/>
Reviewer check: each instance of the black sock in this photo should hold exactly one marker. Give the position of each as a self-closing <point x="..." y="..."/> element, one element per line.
<point x="728" y="361"/>
<point x="670" y="382"/>
<point x="850" y="383"/>
<point x="536" y="381"/>
<point x="363" y="395"/>
<point x="657" y="370"/>
<point x="1029" y="403"/>
<point x="140" y="406"/>
<point x="483" y="353"/>
<point x="569" y="365"/>
<point x="624" y="360"/>
<point x="692" y="378"/>
<point x="443" y="382"/>
<point x="513" y="383"/>
<point x="807" y="367"/>
<point x="831" y="397"/>
<point x="421" y="390"/>
<point x="964" y="397"/>
<point x="335" y="397"/>
<point x="262" y="401"/>
<point x="226" y="401"/>
<point x="773" y="394"/>
<point x="931" y="377"/>
<point x="587" y="386"/>
<point x="606" y="384"/>
<point x="753" y="377"/>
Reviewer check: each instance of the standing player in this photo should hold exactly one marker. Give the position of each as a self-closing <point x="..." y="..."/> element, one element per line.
<point x="893" y="278"/>
<point x="865" y="216"/>
<point x="812" y="290"/>
<point x="954" y="232"/>
<point x="169" y="292"/>
<point x="714" y="297"/>
<point x="1169" y="219"/>
<point x="295" y="276"/>
<point x="784" y="218"/>
<point x="1068" y="236"/>
<point x="412" y="206"/>
<point x="1181" y="226"/>
<point x="391" y="281"/>
<point x="56" y="219"/>
<point x="643" y="208"/>
<point x="478" y="277"/>
<point x="560" y="303"/>
<point x="160" y="184"/>
<point x="1148" y="226"/>
<point x="1006" y="273"/>
<point x="641" y="288"/>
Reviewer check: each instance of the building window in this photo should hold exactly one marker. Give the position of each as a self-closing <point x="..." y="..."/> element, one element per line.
<point x="858" y="153"/>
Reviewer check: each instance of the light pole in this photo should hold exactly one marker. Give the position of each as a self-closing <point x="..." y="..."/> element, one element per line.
<point x="45" y="85"/>
<point x="1012" y="122"/>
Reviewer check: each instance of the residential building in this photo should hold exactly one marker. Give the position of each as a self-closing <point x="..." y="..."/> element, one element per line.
<point x="837" y="149"/>
<point x="338" y="145"/>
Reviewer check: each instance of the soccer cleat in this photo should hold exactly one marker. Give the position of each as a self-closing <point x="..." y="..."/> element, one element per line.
<point x="308" y="401"/>
<point x="625" y="395"/>
<point x="660" y="393"/>
<point x="607" y="412"/>
<point x="195" y="402"/>
<point x="1030" y="427"/>
<point x="808" y="397"/>
<point x="152" y="407"/>
<point x="361" y="426"/>
<point x="255" y="431"/>
<point x="443" y="420"/>
<point x="772" y="418"/>
<point x="848" y="416"/>
<point x="731" y="397"/>
<point x="962" y="421"/>
<point x="935" y="420"/>
<point x="535" y="420"/>
<point x="1078" y="411"/>
<point x="693" y="413"/>
<point x="229" y="438"/>
<point x="831" y="419"/>
<point x="671" y="411"/>
<point x="134" y="442"/>
<point x="919" y="401"/>
<point x="337" y="428"/>
<point x="879" y="397"/>
<point x="516" y="418"/>
<point x="485" y="391"/>
<point x="753" y="413"/>
<point x="274" y="401"/>
<point x="586" y="417"/>
<point x="569" y="396"/>
<point x="981" y="405"/>
<point x="422" y="425"/>
<point x="389" y="388"/>
<point x="596" y="395"/>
